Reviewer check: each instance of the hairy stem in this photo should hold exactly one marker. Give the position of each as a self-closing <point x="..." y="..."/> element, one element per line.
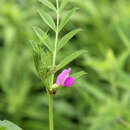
<point x="51" y="126"/>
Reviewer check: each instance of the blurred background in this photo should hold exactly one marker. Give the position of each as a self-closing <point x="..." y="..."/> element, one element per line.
<point x="98" y="101"/>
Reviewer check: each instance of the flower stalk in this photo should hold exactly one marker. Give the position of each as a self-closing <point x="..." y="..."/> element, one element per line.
<point x="45" y="62"/>
<point x="51" y="122"/>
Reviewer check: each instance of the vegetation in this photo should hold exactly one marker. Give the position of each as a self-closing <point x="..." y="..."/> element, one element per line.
<point x="98" y="101"/>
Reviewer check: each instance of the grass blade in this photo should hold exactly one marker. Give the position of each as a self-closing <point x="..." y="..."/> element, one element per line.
<point x="48" y="4"/>
<point x="63" y="4"/>
<point x="123" y="37"/>
<point x="78" y="74"/>
<point x="47" y="19"/>
<point x="42" y="37"/>
<point x="66" y="38"/>
<point x="9" y="125"/>
<point x="70" y="58"/>
<point x="66" y="18"/>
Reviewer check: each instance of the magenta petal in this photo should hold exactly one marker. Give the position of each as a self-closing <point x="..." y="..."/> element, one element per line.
<point x="62" y="77"/>
<point x="69" y="81"/>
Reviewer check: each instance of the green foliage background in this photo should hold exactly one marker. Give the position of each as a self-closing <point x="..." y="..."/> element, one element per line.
<point x="98" y="101"/>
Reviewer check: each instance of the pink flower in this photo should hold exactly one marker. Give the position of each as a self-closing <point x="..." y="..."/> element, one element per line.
<point x="64" y="78"/>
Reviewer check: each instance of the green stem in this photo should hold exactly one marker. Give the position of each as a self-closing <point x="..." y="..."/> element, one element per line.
<point x="51" y="112"/>
<point x="51" y="126"/>
<point x="57" y="34"/>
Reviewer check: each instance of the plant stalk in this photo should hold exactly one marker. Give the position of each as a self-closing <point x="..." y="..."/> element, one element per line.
<point x="51" y="124"/>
